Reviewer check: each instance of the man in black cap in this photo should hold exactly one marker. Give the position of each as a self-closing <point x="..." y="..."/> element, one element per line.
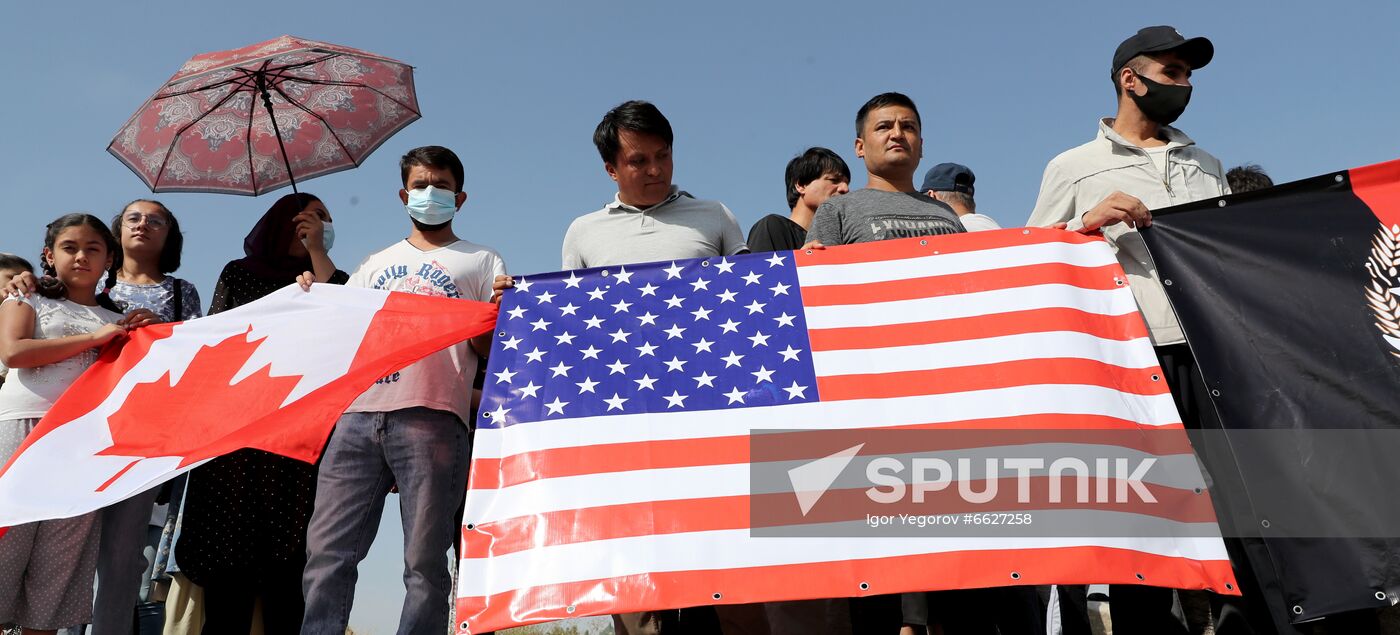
<point x="1139" y="162"/>
<point x="952" y="185"/>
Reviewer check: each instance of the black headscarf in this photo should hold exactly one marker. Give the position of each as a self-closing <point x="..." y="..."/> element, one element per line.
<point x="268" y="242"/>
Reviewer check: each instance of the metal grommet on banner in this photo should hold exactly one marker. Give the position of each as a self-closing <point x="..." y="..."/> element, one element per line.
<point x="923" y="242"/>
<point x="1198" y="490"/>
<point x="865" y="586"/>
<point x="1167" y="282"/>
<point x="1297" y="610"/>
<point x="705" y="263"/>
<point x="809" y="252"/>
<point x="1140" y="577"/>
<point x="1265" y="523"/>
<point x="1026" y="232"/>
<point x="1380" y="595"/>
<point x="1339" y="178"/>
<point x="1229" y="587"/>
<point x="464" y="626"/>
<point x="1118" y="281"/>
<point x="604" y="272"/>
<point x="1221" y="202"/>
<point x="1156" y="378"/>
<point x="716" y="596"/>
<point x="471" y="526"/>
<point x="570" y="609"/>
<point x="500" y="334"/>
<point x="1215" y="393"/>
<point x="1015" y="575"/>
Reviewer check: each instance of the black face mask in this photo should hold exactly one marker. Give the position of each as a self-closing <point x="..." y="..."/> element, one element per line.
<point x="1163" y="103"/>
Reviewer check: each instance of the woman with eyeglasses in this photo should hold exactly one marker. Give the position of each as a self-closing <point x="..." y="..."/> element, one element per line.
<point x="132" y="530"/>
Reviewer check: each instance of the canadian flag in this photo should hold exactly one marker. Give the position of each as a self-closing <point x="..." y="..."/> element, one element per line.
<point x="273" y="375"/>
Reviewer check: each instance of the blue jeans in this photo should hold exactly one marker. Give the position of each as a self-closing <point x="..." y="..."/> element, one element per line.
<point x="425" y="452"/>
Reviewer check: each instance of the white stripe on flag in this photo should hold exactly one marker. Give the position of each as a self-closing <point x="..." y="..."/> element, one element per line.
<point x="991" y="350"/>
<point x="1093" y="254"/>
<point x="1117" y="301"/>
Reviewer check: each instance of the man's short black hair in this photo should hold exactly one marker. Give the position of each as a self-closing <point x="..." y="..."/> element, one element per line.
<point x="11" y="262"/>
<point x="810" y="166"/>
<point x="1247" y="178"/>
<point x="433" y="157"/>
<point x="880" y="101"/>
<point x="637" y="116"/>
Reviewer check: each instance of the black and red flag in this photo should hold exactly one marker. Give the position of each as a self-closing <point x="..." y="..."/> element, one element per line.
<point x="1290" y="300"/>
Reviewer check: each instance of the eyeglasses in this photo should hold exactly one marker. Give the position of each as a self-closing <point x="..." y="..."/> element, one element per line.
<point x="153" y="221"/>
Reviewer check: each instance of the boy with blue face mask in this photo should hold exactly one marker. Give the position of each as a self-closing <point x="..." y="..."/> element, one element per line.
<point x="409" y="428"/>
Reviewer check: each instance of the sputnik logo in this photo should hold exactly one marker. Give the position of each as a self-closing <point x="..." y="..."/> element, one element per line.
<point x="188" y="419"/>
<point x="811" y="480"/>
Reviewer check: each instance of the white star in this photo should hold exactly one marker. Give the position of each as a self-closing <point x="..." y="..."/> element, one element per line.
<point x="623" y="275"/>
<point x="795" y="391"/>
<point x="499" y="414"/>
<point x="619" y="336"/>
<point x="540" y="325"/>
<point x="784" y="319"/>
<point x="759" y="339"/>
<point x="523" y="285"/>
<point x="732" y="359"/>
<point x="775" y="260"/>
<point x="762" y="375"/>
<point x="564" y="338"/>
<point x="676" y="363"/>
<point x="790" y="354"/>
<point x="557" y="407"/>
<point x="536" y="355"/>
<point x="597" y="294"/>
<point x="735" y="396"/>
<point x="645" y="383"/>
<point x="700" y="284"/>
<point x="727" y="296"/>
<point x="675" y="399"/>
<point x="618" y="367"/>
<point x="701" y="313"/>
<point x="517" y="312"/>
<point x="674" y="302"/>
<point x="561" y="370"/>
<point x="647" y="348"/>
<point x="779" y="289"/>
<point x="621" y="306"/>
<point x="586" y="385"/>
<point x="647" y="318"/>
<point x="512" y="344"/>
<point x="705" y="379"/>
<point x="615" y="403"/>
<point x="649" y="289"/>
<point x="730" y="326"/>
<point x="703" y="345"/>
<point x="673" y="332"/>
<point x="594" y="322"/>
<point x="504" y="376"/>
<point x="752" y="278"/>
<point x="572" y="281"/>
<point x="725" y="266"/>
<point x="672" y="272"/>
<point x="545" y="297"/>
<point x="529" y="390"/>
<point x="755" y="307"/>
<point x="590" y="352"/>
<point x="568" y="309"/>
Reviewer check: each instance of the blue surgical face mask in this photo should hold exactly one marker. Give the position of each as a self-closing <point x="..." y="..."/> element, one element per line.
<point x="327" y="235"/>
<point x="431" y="206"/>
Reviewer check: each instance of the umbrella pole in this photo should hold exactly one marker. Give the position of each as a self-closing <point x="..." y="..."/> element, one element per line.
<point x="267" y="103"/>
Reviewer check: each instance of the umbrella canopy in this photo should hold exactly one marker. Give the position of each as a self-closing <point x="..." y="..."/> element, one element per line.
<point x="255" y="119"/>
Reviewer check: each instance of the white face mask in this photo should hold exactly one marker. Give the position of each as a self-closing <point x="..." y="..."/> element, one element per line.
<point x="327" y="235"/>
<point x="431" y="206"/>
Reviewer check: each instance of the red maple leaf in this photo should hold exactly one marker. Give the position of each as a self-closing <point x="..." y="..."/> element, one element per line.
<point x="203" y="415"/>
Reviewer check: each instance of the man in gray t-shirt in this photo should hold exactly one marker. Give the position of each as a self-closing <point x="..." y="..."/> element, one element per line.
<point x="888" y="139"/>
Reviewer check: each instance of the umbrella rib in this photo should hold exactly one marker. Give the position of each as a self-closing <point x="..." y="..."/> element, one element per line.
<point x="248" y="139"/>
<point x="323" y="121"/>
<point x="176" y="137"/>
<point x="327" y="82"/>
<point x="242" y="81"/>
<point x="278" y="69"/>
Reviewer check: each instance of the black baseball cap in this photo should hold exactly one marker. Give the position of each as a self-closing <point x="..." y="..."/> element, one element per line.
<point x="949" y="177"/>
<point x="1196" y="51"/>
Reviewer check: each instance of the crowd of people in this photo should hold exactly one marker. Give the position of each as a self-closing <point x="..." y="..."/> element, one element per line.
<point x="255" y="529"/>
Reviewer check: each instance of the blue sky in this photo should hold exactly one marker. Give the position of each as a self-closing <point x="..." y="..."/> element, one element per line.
<point x="517" y="87"/>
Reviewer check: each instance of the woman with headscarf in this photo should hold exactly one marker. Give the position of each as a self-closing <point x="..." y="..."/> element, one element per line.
<point x="243" y="531"/>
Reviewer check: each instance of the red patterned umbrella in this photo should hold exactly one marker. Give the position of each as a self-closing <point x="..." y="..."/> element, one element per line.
<point x="254" y="119"/>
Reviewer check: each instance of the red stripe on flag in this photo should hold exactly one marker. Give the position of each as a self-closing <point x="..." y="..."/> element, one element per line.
<point x="957" y="570"/>
<point x="1103" y="278"/>
<point x="1378" y="186"/>
<point x="1115" y="327"/>
<point x="1024" y="372"/>
<point x="947" y="244"/>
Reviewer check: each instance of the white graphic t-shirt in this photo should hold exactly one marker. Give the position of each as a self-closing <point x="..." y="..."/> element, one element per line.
<point x="29" y="392"/>
<point x="443" y="380"/>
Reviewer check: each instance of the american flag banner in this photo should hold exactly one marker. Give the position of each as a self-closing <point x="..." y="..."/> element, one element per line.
<point x="612" y="464"/>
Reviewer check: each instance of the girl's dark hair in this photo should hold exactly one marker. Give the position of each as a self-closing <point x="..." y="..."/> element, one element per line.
<point x="174" y="240"/>
<point x="51" y="287"/>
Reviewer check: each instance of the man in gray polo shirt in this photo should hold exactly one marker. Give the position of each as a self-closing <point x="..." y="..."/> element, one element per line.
<point x="649" y="219"/>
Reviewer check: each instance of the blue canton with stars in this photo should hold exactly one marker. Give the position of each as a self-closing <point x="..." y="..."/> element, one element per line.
<point x="704" y="334"/>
